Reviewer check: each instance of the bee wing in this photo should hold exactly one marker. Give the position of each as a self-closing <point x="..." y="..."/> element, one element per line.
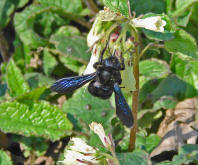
<point x="71" y="83"/>
<point x="123" y="110"/>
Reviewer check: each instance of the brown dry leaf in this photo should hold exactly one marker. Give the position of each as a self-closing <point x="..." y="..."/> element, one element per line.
<point x="178" y="127"/>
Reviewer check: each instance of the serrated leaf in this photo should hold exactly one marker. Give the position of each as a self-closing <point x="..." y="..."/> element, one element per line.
<point x="15" y="80"/>
<point x="154" y="68"/>
<point x="73" y="46"/>
<point x="187" y="71"/>
<point x="34" y="118"/>
<point x="87" y="108"/>
<point x="4" y="158"/>
<point x="137" y="157"/>
<point x="49" y="62"/>
<point x="182" y="43"/>
<point x="119" y="6"/>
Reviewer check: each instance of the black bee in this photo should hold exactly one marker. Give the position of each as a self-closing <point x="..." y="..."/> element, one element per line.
<point x="104" y="81"/>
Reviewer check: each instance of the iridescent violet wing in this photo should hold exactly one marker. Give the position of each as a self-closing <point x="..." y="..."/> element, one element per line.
<point x="123" y="110"/>
<point x="69" y="84"/>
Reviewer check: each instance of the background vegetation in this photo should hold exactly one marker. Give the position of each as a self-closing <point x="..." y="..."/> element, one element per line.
<point x="44" y="40"/>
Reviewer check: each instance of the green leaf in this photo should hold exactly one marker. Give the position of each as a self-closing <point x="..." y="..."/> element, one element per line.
<point x="154" y="68"/>
<point x="36" y="80"/>
<point x="74" y="46"/>
<point x="147" y="143"/>
<point x="182" y="43"/>
<point x="137" y="157"/>
<point x="6" y="9"/>
<point x="187" y="154"/>
<point x="70" y="63"/>
<point x="24" y="26"/>
<point x="149" y="6"/>
<point x="147" y="117"/>
<point x="165" y="36"/>
<point x="188" y="72"/>
<point x="182" y="5"/>
<point x="169" y="6"/>
<point x="165" y="102"/>
<point x="4" y="158"/>
<point x="67" y="7"/>
<point x="34" y="94"/>
<point x="3" y="88"/>
<point x="15" y="80"/>
<point x="183" y="19"/>
<point x="34" y="118"/>
<point x="151" y="142"/>
<point x="31" y="144"/>
<point x="49" y="62"/>
<point x="67" y="31"/>
<point x="171" y="86"/>
<point x="87" y="108"/>
<point x="193" y="23"/>
<point x="119" y="6"/>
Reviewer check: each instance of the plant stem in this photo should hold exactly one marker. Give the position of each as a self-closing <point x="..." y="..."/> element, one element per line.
<point x="135" y="93"/>
<point x="148" y="46"/>
<point x="91" y="5"/>
<point x="129" y="8"/>
<point x="114" y="156"/>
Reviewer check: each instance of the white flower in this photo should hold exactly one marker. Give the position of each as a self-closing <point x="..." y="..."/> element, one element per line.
<point x="154" y="23"/>
<point x="94" y="34"/>
<point x="79" y="153"/>
<point x="77" y="158"/>
<point x="80" y="146"/>
<point x="99" y="130"/>
<point x="94" y="58"/>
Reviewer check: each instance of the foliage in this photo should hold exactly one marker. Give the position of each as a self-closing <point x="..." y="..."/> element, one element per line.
<point x="47" y="41"/>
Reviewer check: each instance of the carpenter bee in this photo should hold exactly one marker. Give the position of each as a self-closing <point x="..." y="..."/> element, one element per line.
<point x="103" y="83"/>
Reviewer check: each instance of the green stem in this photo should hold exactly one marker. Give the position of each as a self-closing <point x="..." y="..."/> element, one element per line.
<point x="91" y="5"/>
<point x="136" y="92"/>
<point x="148" y="46"/>
<point x="114" y="156"/>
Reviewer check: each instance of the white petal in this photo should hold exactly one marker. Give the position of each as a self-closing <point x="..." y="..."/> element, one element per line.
<point x="93" y="35"/>
<point x="154" y="23"/>
<point x="80" y="146"/>
<point x="71" y="157"/>
<point x="99" y="130"/>
<point x="94" y="58"/>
